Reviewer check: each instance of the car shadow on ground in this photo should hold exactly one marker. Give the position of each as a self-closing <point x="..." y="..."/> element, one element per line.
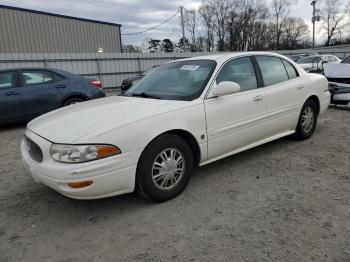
<point x="13" y="126"/>
<point x="346" y="108"/>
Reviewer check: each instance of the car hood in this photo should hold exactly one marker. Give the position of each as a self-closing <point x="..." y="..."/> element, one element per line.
<point x="309" y="65"/>
<point x="337" y="70"/>
<point x="93" y="118"/>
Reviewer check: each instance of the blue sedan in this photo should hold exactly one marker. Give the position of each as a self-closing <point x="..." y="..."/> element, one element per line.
<point x="29" y="92"/>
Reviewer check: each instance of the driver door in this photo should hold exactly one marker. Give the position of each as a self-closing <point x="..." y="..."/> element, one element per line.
<point x="236" y="120"/>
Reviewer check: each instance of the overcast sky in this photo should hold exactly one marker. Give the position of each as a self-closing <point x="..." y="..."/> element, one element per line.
<point x="134" y="15"/>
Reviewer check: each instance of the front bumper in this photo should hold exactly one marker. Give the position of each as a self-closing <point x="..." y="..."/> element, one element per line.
<point x="111" y="176"/>
<point x="125" y="86"/>
<point x="340" y="93"/>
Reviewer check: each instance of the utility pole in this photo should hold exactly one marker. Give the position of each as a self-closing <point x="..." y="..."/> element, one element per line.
<point x="194" y="31"/>
<point x="183" y="28"/>
<point x="315" y="18"/>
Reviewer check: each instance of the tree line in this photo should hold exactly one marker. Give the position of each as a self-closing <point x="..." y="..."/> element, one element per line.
<point x="245" y="25"/>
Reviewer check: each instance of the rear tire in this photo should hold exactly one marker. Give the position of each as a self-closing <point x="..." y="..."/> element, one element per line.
<point x="164" y="168"/>
<point x="73" y="100"/>
<point x="307" y="121"/>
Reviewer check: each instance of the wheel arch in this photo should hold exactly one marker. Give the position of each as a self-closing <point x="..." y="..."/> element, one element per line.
<point x="190" y="140"/>
<point x="77" y="95"/>
<point x="316" y="100"/>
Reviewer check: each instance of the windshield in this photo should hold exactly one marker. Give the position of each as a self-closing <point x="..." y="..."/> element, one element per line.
<point x="346" y="60"/>
<point x="295" y="57"/>
<point x="182" y="80"/>
<point x="309" y="60"/>
<point x="149" y="70"/>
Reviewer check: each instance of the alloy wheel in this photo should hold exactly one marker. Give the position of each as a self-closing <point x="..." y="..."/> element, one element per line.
<point x="307" y="119"/>
<point x="168" y="168"/>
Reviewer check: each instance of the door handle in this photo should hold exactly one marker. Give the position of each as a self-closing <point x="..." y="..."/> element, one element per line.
<point x="12" y="93"/>
<point x="300" y="87"/>
<point x="61" y="86"/>
<point x="258" y="99"/>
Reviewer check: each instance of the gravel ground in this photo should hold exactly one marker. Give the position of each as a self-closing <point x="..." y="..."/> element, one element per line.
<point x="283" y="201"/>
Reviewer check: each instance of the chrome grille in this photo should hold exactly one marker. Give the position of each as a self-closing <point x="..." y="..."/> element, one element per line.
<point x="34" y="150"/>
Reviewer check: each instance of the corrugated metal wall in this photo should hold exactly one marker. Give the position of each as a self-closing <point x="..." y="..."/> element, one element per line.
<point x="112" y="68"/>
<point x="27" y="32"/>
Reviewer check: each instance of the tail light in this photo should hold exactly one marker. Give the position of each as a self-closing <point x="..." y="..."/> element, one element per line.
<point x="96" y="83"/>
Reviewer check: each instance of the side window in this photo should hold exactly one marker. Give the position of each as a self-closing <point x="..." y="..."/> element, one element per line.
<point x="241" y="71"/>
<point x="272" y="70"/>
<point x="57" y="77"/>
<point x="36" y="77"/>
<point x="346" y="60"/>
<point x="292" y="72"/>
<point x="7" y="79"/>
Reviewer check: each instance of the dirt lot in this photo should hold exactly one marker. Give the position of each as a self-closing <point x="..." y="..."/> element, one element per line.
<point x="284" y="201"/>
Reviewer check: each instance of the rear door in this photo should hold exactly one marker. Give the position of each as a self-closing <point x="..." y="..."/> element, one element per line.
<point x="10" y="97"/>
<point x="42" y="91"/>
<point x="283" y="90"/>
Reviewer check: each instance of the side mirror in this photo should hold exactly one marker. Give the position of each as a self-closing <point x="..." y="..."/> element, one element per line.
<point x="226" y="88"/>
<point x="324" y="62"/>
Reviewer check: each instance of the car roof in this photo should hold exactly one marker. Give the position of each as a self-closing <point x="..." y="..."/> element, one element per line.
<point x="313" y="56"/>
<point x="225" y="56"/>
<point x="59" y="71"/>
<point x="28" y="68"/>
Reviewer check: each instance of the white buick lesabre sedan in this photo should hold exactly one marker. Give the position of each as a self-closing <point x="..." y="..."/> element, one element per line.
<point x="184" y="114"/>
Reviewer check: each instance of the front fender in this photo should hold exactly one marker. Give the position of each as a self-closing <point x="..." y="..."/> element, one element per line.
<point x="139" y="134"/>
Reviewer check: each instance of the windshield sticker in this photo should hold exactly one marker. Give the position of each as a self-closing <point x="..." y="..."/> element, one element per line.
<point x="189" y="67"/>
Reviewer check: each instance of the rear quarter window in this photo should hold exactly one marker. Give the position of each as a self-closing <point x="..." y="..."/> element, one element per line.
<point x="57" y="77"/>
<point x="292" y="72"/>
<point x="346" y="60"/>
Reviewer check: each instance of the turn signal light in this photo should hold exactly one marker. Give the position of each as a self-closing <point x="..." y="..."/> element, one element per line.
<point x="105" y="151"/>
<point x="80" y="184"/>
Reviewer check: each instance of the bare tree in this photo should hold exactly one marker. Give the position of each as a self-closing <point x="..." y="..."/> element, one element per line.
<point x="221" y="11"/>
<point x="242" y="25"/>
<point x="206" y="14"/>
<point x="245" y="18"/>
<point x="190" y="24"/>
<point x="295" y="34"/>
<point x="280" y="11"/>
<point x="334" y="16"/>
<point x="263" y="35"/>
<point x="235" y="27"/>
<point x="254" y="11"/>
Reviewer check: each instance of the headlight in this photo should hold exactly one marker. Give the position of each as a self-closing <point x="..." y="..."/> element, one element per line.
<point x="81" y="153"/>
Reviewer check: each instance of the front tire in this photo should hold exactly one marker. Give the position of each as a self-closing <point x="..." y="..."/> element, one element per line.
<point x="307" y="121"/>
<point x="164" y="169"/>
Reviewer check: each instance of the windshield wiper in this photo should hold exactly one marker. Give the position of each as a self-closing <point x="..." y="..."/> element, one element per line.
<point x="145" y="95"/>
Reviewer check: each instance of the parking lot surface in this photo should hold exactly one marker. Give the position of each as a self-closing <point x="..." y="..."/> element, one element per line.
<point x="284" y="201"/>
